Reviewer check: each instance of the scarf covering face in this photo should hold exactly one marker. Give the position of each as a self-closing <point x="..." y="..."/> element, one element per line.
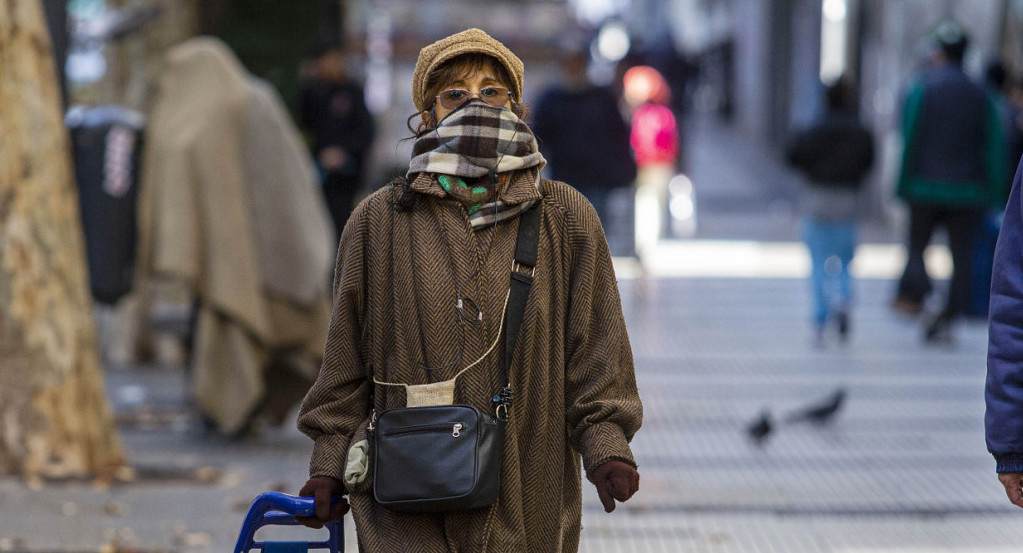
<point x="471" y="142"/>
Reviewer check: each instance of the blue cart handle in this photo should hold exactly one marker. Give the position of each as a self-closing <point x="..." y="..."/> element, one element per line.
<point x="275" y="508"/>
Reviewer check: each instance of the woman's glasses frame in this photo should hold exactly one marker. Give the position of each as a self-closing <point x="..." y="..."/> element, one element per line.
<point x="454" y="97"/>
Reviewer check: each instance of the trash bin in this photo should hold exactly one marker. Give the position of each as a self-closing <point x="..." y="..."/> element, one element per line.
<point x="106" y="145"/>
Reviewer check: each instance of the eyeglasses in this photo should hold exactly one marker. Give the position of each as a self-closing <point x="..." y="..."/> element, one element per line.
<point x="454" y="97"/>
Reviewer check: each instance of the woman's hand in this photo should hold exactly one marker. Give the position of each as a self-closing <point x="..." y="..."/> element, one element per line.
<point x="322" y="488"/>
<point x="615" y="480"/>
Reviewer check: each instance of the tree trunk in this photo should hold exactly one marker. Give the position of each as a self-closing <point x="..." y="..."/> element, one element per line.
<point x="55" y="421"/>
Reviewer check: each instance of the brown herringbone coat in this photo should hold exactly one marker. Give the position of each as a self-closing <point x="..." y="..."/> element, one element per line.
<point x="394" y="314"/>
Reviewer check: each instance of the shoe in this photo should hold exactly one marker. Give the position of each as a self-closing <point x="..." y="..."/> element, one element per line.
<point x="906" y="306"/>
<point x="938" y="331"/>
<point x="842" y="323"/>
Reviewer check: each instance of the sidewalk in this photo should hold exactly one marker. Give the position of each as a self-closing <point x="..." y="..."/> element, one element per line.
<point x="902" y="468"/>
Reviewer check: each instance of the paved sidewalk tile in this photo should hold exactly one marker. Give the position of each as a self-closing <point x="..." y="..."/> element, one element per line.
<point x="901" y="468"/>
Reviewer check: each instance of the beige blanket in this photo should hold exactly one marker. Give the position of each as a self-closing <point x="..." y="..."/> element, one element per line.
<point x="229" y="204"/>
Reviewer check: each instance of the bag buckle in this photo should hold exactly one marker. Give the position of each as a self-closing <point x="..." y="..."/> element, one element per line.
<point x="502" y="402"/>
<point x="522" y="268"/>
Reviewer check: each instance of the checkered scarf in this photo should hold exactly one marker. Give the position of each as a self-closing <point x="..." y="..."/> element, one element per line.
<point x="471" y="142"/>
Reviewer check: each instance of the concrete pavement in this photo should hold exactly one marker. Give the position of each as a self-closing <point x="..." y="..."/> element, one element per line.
<point x="902" y="468"/>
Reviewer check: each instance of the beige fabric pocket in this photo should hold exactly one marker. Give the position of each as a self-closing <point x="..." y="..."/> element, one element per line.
<point x="428" y="395"/>
<point x="358" y="466"/>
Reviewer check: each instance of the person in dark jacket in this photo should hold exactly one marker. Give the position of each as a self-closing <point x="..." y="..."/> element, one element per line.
<point x="583" y="135"/>
<point x="952" y="172"/>
<point x="1003" y="421"/>
<point x="341" y="129"/>
<point x="835" y="154"/>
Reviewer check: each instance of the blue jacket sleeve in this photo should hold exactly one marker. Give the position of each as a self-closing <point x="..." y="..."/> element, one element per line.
<point x="1003" y="420"/>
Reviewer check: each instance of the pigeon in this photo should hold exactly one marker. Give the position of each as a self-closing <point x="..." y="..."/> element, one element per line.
<point x="760" y="429"/>
<point x="820" y="413"/>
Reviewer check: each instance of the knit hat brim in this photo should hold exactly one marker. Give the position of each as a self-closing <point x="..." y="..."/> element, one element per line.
<point x="466" y="42"/>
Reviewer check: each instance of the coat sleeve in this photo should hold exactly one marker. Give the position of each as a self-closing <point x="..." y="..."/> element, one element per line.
<point x="338" y="400"/>
<point x="1003" y="395"/>
<point x="800" y="149"/>
<point x="995" y="165"/>
<point x="911" y="110"/>
<point x="603" y="410"/>
<point x="620" y="158"/>
<point x="357" y="136"/>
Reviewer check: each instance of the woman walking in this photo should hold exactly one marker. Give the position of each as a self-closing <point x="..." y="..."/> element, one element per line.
<point x="420" y="296"/>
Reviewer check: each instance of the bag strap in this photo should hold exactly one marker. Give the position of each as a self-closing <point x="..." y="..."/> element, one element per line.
<point x="523" y="270"/>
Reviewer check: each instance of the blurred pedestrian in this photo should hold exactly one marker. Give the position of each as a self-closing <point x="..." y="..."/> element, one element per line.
<point x="654" y="139"/>
<point x="229" y="207"/>
<point x="583" y="135"/>
<point x="419" y="301"/>
<point x="1010" y="115"/>
<point x="680" y="73"/>
<point x="341" y="128"/>
<point x="1003" y="420"/>
<point x="835" y="153"/>
<point x="952" y="172"/>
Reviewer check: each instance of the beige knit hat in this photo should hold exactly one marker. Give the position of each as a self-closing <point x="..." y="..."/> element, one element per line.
<point x="465" y="42"/>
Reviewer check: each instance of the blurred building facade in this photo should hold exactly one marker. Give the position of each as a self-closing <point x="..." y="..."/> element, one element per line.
<point x="764" y="63"/>
<point x="760" y="63"/>
<point x="779" y="51"/>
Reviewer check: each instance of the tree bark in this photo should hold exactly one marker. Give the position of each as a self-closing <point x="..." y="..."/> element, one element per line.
<point x="55" y="421"/>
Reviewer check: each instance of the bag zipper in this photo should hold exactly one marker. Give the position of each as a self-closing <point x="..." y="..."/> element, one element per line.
<point x="454" y="427"/>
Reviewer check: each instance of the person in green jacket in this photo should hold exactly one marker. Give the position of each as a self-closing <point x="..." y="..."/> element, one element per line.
<point x="952" y="173"/>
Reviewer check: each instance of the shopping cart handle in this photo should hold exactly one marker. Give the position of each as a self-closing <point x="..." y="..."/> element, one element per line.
<point x="275" y="508"/>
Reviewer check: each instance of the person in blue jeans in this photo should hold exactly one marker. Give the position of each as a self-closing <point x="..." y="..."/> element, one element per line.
<point x="832" y="245"/>
<point x="835" y="153"/>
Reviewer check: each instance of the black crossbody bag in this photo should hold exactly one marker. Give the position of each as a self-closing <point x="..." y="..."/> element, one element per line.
<point x="448" y="457"/>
